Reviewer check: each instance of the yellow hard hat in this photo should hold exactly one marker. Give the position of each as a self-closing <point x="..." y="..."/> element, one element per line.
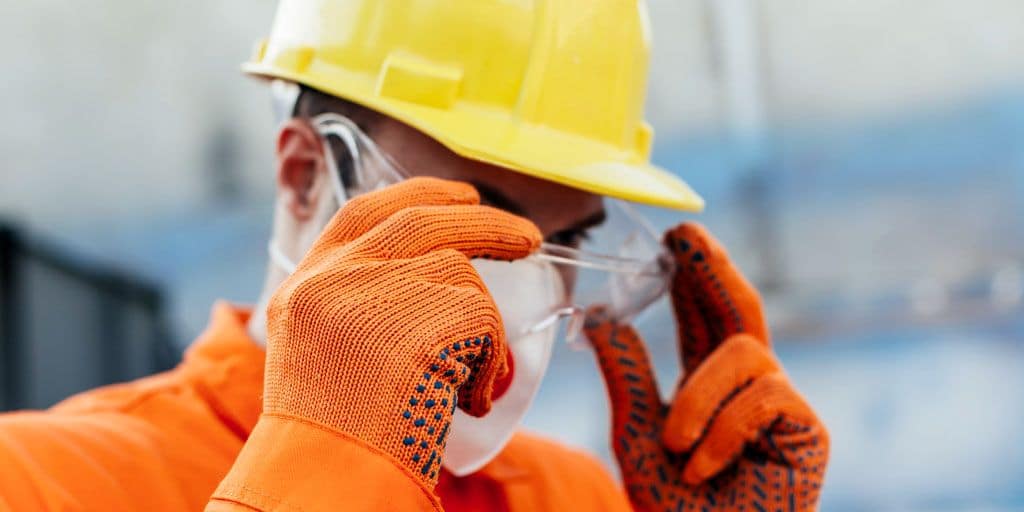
<point x="550" y="88"/>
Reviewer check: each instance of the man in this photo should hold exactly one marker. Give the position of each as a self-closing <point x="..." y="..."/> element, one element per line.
<point x="354" y="384"/>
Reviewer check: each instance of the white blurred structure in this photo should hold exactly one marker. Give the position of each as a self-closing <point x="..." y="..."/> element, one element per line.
<point x="114" y="109"/>
<point x="839" y="59"/>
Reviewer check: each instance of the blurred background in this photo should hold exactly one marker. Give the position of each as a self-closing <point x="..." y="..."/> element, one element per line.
<point x="862" y="159"/>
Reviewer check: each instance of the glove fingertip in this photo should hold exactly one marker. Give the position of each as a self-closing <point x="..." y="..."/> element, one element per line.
<point x="531" y="235"/>
<point x="596" y="315"/>
<point x="686" y="237"/>
<point x="598" y="329"/>
<point x="457" y="192"/>
<point x="475" y="400"/>
<point x="695" y="471"/>
<point x="676" y="439"/>
<point x="476" y="393"/>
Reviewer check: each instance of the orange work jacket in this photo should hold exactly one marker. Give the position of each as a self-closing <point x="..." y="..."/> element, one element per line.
<point x="185" y="440"/>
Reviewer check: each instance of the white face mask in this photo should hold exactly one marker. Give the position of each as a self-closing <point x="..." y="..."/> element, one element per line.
<point x="525" y="292"/>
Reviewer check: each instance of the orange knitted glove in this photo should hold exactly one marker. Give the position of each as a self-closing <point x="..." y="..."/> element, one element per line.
<point x="385" y="325"/>
<point x="737" y="435"/>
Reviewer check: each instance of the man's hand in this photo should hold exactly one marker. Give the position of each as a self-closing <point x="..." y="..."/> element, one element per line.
<point x="737" y="435"/>
<point x="385" y="326"/>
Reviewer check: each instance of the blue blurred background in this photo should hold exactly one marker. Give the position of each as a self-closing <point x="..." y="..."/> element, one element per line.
<point x="863" y="160"/>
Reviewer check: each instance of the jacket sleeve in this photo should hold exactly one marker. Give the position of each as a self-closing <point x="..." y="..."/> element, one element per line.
<point x="151" y="445"/>
<point x="293" y="464"/>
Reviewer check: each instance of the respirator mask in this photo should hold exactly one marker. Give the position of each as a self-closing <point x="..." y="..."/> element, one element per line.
<point x="622" y="265"/>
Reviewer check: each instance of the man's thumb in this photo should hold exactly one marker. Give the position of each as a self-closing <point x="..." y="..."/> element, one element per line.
<point x="635" y="403"/>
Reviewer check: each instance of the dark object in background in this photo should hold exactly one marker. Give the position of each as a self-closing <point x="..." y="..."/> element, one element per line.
<point x="67" y="325"/>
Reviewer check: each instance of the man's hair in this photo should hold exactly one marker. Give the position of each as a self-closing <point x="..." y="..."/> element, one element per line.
<point x="312" y="102"/>
<point x="292" y="100"/>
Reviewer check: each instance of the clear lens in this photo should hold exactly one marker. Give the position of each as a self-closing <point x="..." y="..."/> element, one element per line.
<point x="621" y="265"/>
<point x="361" y="167"/>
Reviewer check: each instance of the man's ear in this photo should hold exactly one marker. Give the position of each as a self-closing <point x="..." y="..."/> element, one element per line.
<point x="301" y="168"/>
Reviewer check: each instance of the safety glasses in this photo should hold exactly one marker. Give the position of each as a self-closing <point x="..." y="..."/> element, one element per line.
<point x="621" y="264"/>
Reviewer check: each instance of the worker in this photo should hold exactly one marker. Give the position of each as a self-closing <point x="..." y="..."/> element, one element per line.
<point x="442" y="167"/>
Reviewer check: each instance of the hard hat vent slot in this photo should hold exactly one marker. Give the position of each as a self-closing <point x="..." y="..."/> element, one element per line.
<point x="416" y="80"/>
